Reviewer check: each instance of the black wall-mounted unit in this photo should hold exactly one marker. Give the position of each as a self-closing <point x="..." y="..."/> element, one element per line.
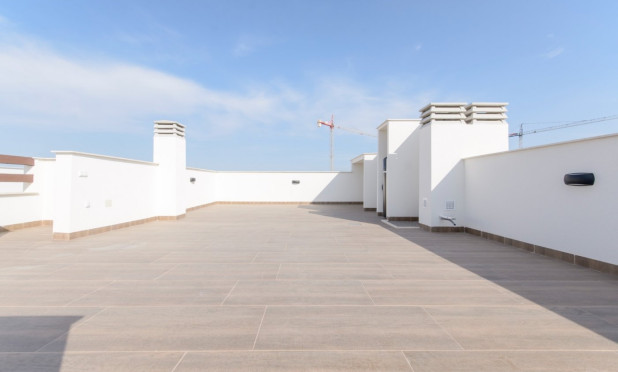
<point x="579" y="179"/>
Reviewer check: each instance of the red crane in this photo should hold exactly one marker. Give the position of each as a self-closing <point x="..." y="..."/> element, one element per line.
<point x="331" y="125"/>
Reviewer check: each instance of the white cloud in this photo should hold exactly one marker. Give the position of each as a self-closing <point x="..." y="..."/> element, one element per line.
<point x="418" y="47"/>
<point x="40" y="87"/>
<point x="554" y="53"/>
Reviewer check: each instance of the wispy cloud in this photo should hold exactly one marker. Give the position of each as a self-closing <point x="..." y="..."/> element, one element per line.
<point x="41" y="87"/>
<point x="554" y="53"/>
<point x="418" y="47"/>
<point x="249" y="44"/>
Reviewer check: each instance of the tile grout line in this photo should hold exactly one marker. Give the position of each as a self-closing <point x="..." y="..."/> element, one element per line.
<point x="367" y="292"/>
<point x="160" y="258"/>
<point x="179" y="361"/>
<point x="388" y="271"/>
<point x="259" y="328"/>
<point x="442" y="328"/>
<point x="90" y="293"/>
<point x="278" y="270"/>
<point x="471" y="351"/>
<point x="405" y="357"/>
<point x="166" y="271"/>
<point x="229" y="293"/>
<point x="70" y="329"/>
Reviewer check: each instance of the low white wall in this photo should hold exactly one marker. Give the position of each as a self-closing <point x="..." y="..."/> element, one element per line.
<point x="370" y="186"/>
<point x="43" y="170"/>
<point x="278" y="186"/>
<point x="521" y="195"/>
<point x="94" y="191"/>
<point x="27" y="202"/>
<point x="203" y="190"/>
<point x="19" y="208"/>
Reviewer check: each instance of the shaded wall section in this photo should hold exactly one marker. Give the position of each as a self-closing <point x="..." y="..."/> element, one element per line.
<point x="521" y="195"/>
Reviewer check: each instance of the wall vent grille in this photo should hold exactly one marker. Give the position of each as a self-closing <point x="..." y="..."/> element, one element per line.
<point x="167" y="127"/>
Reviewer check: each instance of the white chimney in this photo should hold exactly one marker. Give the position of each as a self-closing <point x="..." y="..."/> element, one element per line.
<point x="169" y="151"/>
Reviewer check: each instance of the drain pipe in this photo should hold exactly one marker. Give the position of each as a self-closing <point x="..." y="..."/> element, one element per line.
<point x="451" y="219"/>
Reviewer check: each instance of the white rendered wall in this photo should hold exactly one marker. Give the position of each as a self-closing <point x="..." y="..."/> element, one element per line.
<point x="370" y="186"/>
<point x="521" y="195"/>
<point x="278" y="186"/>
<point x="402" y="168"/>
<point x="442" y="148"/>
<point x="44" y="181"/>
<point x="94" y="191"/>
<point x="27" y="202"/>
<point x="203" y="190"/>
<point x="19" y="208"/>
<point x="382" y="153"/>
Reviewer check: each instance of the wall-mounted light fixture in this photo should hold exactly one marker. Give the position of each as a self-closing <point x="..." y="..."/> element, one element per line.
<point x="579" y="179"/>
<point x="192" y="179"/>
<point x="295" y="182"/>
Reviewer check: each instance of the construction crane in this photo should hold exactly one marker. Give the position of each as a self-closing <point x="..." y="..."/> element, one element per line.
<point x="522" y="133"/>
<point x="331" y="125"/>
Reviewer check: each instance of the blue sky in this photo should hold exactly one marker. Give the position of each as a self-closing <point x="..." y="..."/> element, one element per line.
<point x="249" y="79"/>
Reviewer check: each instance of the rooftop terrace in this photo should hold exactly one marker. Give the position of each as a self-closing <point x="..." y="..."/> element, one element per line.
<point x="296" y="287"/>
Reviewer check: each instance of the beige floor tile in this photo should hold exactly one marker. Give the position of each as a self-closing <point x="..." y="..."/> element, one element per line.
<point x="111" y="271"/>
<point x="439" y="292"/>
<point x="46" y="292"/>
<point x="519" y="328"/>
<point x="329" y="271"/>
<point x="513" y="361"/>
<point x="307" y="257"/>
<point x="214" y="271"/>
<point x="299" y="292"/>
<point x="28" y="329"/>
<point x="309" y="361"/>
<point x="158" y="293"/>
<point x="92" y="362"/>
<point x="565" y="292"/>
<point x="351" y="328"/>
<point x="166" y="329"/>
<point x="325" y="287"/>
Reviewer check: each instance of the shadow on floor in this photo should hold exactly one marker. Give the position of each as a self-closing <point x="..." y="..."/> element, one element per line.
<point x="583" y="296"/>
<point x="335" y="211"/>
<point x="21" y="337"/>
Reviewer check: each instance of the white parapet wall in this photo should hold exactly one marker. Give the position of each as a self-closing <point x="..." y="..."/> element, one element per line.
<point x="19" y="208"/>
<point x="27" y="203"/>
<point x="292" y="187"/>
<point x="95" y="191"/>
<point x="201" y="187"/>
<point x="521" y="195"/>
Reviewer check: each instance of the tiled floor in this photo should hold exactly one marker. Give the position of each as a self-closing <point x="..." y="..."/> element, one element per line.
<point x="296" y="288"/>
